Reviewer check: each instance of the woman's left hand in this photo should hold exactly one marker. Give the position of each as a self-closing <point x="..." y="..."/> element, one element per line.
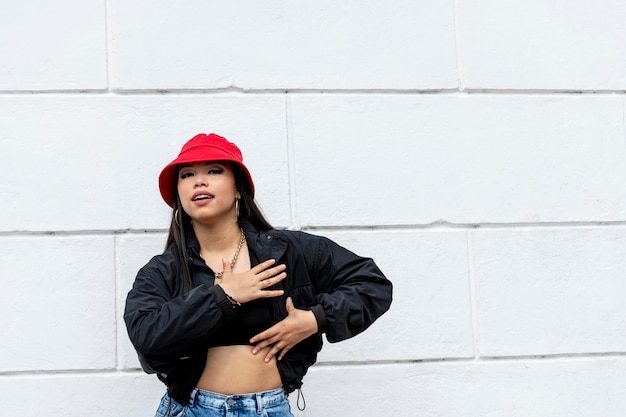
<point x="297" y="326"/>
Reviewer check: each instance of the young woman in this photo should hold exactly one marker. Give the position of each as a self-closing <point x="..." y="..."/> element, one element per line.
<point x="231" y="315"/>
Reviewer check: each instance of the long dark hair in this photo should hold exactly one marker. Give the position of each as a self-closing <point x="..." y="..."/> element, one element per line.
<point x="180" y="225"/>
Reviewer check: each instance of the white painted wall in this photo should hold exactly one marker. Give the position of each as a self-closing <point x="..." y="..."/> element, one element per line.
<point x="476" y="149"/>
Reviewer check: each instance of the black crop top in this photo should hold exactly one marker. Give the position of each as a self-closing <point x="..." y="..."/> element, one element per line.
<point x="251" y="319"/>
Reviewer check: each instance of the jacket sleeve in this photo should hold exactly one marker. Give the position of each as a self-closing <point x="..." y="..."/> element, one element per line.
<point x="165" y="328"/>
<point x="352" y="292"/>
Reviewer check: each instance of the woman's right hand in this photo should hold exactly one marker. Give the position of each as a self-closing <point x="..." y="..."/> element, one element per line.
<point x="249" y="285"/>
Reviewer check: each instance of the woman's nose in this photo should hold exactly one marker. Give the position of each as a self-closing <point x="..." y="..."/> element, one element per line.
<point x="201" y="180"/>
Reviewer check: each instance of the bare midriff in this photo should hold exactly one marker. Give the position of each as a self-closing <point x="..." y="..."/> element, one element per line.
<point x="235" y="370"/>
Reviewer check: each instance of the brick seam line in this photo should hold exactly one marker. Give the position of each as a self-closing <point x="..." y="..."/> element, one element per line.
<point x="391" y="227"/>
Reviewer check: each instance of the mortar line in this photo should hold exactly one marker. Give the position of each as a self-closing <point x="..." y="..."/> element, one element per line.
<point x="116" y="286"/>
<point x="456" y="360"/>
<point x="108" y="30"/>
<point x="471" y="266"/>
<point x="291" y="165"/>
<point x="440" y="226"/>
<point x="624" y="118"/>
<point x="460" y="69"/>
<point x="443" y="225"/>
<point x="320" y="91"/>
<point x="493" y="359"/>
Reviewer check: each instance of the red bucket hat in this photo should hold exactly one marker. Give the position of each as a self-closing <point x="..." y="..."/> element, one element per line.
<point x="201" y="148"/>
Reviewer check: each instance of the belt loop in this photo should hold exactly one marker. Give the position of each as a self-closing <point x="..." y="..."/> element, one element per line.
<point x="169" y="406"/>
<point x="259" y="403"/>
<point x="192" y="396"/>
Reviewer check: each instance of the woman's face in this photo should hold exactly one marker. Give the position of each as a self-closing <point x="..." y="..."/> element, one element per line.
<point x="207" y="191"/>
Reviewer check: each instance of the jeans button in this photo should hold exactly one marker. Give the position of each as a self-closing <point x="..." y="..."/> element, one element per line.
<point x="230" y="401"/>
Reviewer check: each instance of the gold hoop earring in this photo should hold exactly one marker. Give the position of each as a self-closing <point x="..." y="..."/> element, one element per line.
<point x="237" y="207"/>
<point x="176" y="218"/>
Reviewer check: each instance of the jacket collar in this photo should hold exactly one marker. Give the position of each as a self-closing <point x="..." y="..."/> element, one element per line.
<point x="265" y="244"/>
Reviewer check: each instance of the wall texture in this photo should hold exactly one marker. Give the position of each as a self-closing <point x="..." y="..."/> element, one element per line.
<point x="476" y="149"/>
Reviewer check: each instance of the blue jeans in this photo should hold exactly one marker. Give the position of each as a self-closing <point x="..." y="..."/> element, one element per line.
<point x="202" y="403"/>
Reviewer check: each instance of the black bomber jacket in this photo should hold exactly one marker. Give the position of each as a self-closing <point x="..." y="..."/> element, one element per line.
<point x="170" y="330"/>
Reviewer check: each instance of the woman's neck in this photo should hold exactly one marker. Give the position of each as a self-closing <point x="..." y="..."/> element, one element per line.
<point x="217" y="238"/>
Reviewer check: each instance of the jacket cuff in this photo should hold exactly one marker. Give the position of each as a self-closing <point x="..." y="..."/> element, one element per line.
<point x="320" y="316"/>
<point x="224" y="303"/>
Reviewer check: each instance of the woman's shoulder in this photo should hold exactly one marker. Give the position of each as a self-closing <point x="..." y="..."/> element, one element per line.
<point x="163" y="262"/>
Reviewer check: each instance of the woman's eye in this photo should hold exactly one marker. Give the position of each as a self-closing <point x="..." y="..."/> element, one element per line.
<point x="216" y="171"/>
<point x="184" y="175"/>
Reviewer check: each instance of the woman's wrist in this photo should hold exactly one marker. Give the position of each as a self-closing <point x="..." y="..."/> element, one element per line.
<point x="234" y="302"/>
<point x="225" y="300"/>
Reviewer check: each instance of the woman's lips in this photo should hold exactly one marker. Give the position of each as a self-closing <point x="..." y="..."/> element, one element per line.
<point x="202" y="196"/>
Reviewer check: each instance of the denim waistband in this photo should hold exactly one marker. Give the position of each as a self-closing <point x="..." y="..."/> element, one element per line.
<point x="257" y="400"/>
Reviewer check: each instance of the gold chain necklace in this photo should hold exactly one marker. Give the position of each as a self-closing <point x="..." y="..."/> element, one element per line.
<point x="218" y="275"/>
